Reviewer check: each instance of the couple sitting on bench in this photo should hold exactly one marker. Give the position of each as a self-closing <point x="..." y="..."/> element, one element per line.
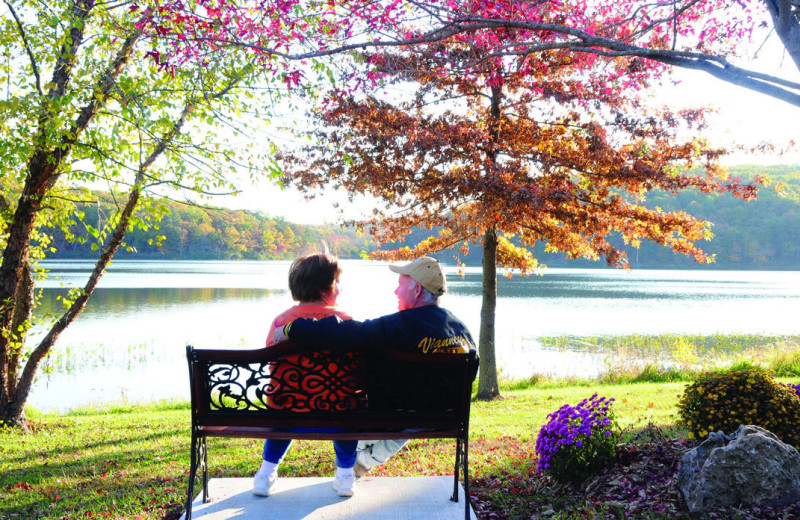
<point x="419" y="326"/>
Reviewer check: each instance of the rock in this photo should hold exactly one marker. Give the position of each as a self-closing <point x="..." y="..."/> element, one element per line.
<point x="751" y="467"/>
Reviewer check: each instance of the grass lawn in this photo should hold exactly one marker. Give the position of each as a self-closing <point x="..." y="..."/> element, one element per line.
<point x="131" y="462"/>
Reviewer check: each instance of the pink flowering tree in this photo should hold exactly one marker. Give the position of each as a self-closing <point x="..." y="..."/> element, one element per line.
<point x="705" y="35"/>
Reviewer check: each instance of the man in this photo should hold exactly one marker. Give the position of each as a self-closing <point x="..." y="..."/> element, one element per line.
<point x="421" y="325"/>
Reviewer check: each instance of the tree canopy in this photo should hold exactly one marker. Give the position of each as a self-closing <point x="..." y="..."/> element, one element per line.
<point x="87" y="102"/>
<point x="753" y="234"/>
<point x="130" y="96"/>
<point x="545" y="148"/>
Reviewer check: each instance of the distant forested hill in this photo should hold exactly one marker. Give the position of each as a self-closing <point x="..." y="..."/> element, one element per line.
<point x="194" y="233"/>
<point x="760" y="234"/>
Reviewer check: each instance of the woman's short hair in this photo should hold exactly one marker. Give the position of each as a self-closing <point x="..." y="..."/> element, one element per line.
<point x="312" y="275"/>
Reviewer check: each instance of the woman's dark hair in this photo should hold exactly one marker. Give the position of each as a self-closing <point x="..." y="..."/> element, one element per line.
<point x="312" y="275"/>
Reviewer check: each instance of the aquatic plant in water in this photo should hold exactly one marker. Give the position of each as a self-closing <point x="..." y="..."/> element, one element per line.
<point x="578" y="440"/>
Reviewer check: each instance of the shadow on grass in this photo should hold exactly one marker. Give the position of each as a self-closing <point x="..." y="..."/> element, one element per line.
<point x="118" y="441"/>
<point x="57" y="477"/>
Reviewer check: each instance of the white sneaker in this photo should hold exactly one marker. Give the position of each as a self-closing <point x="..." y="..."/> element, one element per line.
<point x="361" y="467"/>
<point x="265" y="477"/>
<point x="344" y="483"/>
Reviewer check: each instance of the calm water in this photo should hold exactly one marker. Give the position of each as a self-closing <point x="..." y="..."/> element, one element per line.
<point x="129" y="344"/>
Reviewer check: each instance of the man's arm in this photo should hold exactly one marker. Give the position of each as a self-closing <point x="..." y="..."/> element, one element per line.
<point x="332" y="330"/>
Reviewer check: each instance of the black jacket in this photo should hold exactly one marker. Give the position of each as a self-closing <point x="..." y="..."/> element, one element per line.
<point x="428" y="329"/>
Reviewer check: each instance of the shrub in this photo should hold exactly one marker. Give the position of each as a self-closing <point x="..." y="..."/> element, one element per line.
<point x="577" y="441"/>
<point x="725" y="400"/>
<point x="795" y="389"/>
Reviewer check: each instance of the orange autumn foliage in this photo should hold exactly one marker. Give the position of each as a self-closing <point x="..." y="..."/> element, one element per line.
<point x="554" y="148"/>
<point x="538" y="150"/>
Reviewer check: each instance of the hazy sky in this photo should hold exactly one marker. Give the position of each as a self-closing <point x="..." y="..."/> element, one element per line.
<point x="743" y="117"/>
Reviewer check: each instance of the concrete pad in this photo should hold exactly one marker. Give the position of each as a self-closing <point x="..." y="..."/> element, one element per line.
<point x="313" y="498"/>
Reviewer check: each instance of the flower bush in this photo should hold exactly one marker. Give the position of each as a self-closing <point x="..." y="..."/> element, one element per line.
<point x="796" y="389"/>
<point x="577" y="441"/>
<point x="723" y="401"/>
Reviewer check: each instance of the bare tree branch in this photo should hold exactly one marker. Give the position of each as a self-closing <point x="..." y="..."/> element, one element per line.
<point x="27" y="47"/>
<point x="578" y="40"/>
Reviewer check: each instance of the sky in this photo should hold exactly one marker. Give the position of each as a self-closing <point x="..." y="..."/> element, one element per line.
<point x="742" y="117"/>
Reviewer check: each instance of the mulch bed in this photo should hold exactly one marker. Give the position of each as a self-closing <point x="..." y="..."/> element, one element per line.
<point x="640" y="483"/>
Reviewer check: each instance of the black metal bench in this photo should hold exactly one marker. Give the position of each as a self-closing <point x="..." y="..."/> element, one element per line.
<point x="374" y="394"/>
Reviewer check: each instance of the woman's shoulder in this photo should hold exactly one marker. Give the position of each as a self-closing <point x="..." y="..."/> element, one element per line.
<point x="340" y="313"/>
<point x="312" y="311"/>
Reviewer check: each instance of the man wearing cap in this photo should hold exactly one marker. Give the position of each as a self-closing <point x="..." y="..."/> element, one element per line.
<point x="419" y="326"/>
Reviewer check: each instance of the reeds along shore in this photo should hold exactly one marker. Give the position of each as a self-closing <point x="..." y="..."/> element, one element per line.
<point x="674" y="357"/>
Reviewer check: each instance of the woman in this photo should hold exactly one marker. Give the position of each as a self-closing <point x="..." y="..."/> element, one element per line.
<point x="314" y="283"/>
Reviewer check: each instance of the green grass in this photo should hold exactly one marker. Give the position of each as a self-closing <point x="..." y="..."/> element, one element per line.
<point x="129" y="462"/>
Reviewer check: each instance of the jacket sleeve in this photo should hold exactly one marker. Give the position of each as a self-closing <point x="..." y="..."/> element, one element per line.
<point x="350" y="334"/>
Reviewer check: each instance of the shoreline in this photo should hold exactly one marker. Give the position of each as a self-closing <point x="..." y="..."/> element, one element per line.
<point x="678" y="358"/>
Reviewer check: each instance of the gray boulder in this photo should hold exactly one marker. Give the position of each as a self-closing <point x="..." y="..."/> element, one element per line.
<point x="751" y="467"/>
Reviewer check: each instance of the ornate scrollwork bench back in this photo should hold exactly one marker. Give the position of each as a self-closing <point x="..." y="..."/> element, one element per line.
<point x="374" y="394"/>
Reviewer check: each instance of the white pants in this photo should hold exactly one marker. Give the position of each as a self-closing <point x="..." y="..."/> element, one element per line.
<point x="375" y="453"/>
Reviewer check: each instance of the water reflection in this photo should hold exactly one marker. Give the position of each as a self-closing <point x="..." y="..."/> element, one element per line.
<point x="129" y="343"/>
<point x="122" y="302"/>
<point x="662" y="285"/>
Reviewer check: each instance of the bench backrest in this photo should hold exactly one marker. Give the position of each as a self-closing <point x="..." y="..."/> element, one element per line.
<point x="290" y="385"/>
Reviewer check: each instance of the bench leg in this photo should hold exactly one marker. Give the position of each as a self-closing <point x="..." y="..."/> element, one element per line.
<point x="204" y="465"/>
<point x="465" y="461"/>
<point x="454" y="498"/>
<point x="192" y="473"/>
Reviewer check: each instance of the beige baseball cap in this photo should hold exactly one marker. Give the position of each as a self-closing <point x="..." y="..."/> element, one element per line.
<point x="427" y="272"/>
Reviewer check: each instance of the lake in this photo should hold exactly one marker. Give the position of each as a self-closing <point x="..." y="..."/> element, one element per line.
<point x="129" y="343"/>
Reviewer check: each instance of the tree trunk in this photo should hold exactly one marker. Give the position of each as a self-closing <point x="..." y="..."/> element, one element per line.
<point x="23" y="311"/>
<point x="15" y="261"/>
<point x="488" y="387"/>
<point x="11" y="410"/>
<point x="43" y="172"/>
<point x="786" y="27"/>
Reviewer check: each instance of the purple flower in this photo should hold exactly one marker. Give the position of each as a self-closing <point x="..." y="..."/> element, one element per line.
<point x="570" y="430"/>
